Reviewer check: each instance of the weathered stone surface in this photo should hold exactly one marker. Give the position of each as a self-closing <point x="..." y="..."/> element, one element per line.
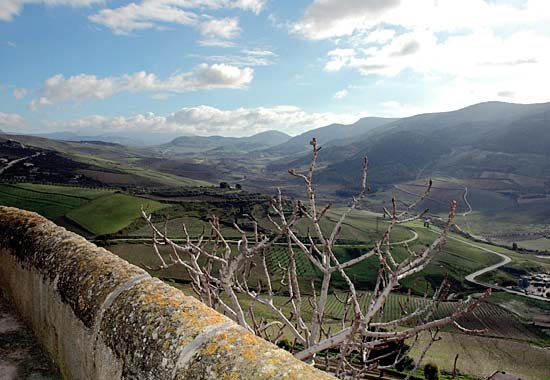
<point x="157" y="321"/>
<point x="85" y="274"/>
<point x="103" y="318"/>
<point x="235" y="354"/>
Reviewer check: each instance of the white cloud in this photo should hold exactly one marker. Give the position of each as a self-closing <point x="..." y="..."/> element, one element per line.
<point x="144" y="15"/>
<point x="379" y="35"/>
<point x="325" y="19"/>
<point x="206" y="120"/>
<point x="83" y="86"/>
<point x="161" y="96"/>
<point x="98" y="123"/>
<point x="391" y="104"/>
<point x="247" y="57"/>
<point x="339" y="58"/>
<point x="11" y="120"/>
<point x="224" y="28"/>
<point x="501" y="55"/>
<point x="216" y="42"/>
<point x="481" y="60"/>
<point x="11" y="8"/>
<point x="333" y="18"/>
<point x="153" y="13"/>
<point x="19" y="93"/>
<point x="219" y="32"/>
<point x="341" y="94"/>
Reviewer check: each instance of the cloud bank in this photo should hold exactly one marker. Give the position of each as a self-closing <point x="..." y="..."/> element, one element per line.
<point x="205" y="120"/>
<point x="11" y="120"/>
<point x="81" y="87"/>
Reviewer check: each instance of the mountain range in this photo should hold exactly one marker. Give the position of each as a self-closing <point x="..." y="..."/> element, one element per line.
<point x="480" y="141"/>
<point x="491" y="137"/>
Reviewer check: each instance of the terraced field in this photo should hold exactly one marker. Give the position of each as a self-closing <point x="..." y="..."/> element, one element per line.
<point x="360" y="226"/>
<point x="47" y="200"/>
<point x="277" y="262"/>
<point x="498" y="321"/>
<point x="97" y="211"/>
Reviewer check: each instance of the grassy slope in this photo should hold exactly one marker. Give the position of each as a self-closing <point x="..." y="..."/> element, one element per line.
<point x="73" y="191"/>
<point x="112" y="157"/>
<point x="111" y="213"/>
<point x="138" y="175"/>
<point x="520" y="263"/>
<point x="359" y="226"/>
<point x="456" y="260"/>
<point x="482" y="356"/>
<point x="194" y="226"/>
<point x="49" y="201"/>
<point x="542" y="244"/>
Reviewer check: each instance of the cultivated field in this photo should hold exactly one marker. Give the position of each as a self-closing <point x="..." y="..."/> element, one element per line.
<point x="482" y="356"/>
<point x="47" y="200"/>
<point x="111" y="213"/>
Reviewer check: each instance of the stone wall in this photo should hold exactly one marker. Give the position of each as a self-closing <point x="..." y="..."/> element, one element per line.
<point x="103" y="318"/>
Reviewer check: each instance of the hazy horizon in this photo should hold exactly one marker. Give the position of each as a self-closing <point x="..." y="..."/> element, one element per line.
<point x="176" y="133"/>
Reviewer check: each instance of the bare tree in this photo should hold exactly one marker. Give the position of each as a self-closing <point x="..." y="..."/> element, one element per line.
<point x="220" y="272"/>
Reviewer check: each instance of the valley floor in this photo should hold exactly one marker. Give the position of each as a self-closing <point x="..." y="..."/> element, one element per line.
<point x="482" y="356"/>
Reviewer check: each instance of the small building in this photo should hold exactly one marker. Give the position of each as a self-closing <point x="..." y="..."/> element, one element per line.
<point x="523" y="282"/>
<point x="535" y="284"/>
<point x="502" y="375"/>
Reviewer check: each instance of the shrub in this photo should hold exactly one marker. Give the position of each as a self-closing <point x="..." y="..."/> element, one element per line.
<point x="431" y="371"/>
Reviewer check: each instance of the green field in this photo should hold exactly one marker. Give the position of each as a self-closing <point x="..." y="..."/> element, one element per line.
<point x="542" y="244"/>
<point x="500" y="322"/>
<point x="194" y="225"/>
<point x="456" y="260"/>
<point x="508" y="337"/>
<point x="111" y="213"/>
<point x="360" y="226"/>
<point x="98" y="211"/>
<point x="482" y="356"/>
<point x="47" y="200"/>
<point x="121" y="171"/>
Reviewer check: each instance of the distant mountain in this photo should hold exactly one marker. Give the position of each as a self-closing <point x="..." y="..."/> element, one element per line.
<point x="141" y="139"/>
<point x="486" y="137"/>
<point x="527" y="135"/>
<point x="329" y="133"/>
<point x="296" y="151"/>
<point x="268" y="138"/>
<point x="194" y="144"/>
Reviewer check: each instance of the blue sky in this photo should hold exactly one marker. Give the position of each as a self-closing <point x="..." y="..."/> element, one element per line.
<point x="236" y="67"/>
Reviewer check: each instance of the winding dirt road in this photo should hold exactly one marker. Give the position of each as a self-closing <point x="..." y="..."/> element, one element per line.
<point x="467" y="203"/>
<point x="505" y="260"/>
<point x="14" y="162"/>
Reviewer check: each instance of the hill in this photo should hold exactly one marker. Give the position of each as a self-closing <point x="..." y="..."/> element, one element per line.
<point x="300" y="143"/>
<point x="195" y="144"/>
<point x="90" y="163"/>
<point x="487" y="137"/>
<point x="141" y="139"/>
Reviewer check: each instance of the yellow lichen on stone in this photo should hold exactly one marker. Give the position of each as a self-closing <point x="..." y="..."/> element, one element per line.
<point x="249" y="354"/>
<point x="210" y="349"/>
<point x="230" y="376"/>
